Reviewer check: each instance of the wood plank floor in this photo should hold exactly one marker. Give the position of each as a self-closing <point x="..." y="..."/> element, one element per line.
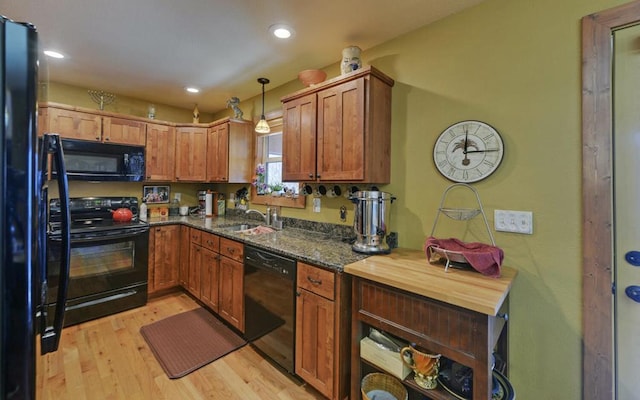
<point x="108" y="359"/>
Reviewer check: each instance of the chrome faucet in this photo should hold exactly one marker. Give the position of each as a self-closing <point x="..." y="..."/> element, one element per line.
<point x="266" y="217"/>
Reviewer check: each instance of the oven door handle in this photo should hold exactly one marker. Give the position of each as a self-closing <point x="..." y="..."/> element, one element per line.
<point x="130" y="233"/>
<point x="50" y="335"/>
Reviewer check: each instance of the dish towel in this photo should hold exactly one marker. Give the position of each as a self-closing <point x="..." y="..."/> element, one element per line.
<point x="484" y="258"/>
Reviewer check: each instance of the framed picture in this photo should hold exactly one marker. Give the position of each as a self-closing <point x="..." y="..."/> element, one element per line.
<point x="155" y="194"/>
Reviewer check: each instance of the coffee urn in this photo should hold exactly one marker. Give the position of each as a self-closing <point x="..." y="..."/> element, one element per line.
<point x="371" y="220"/>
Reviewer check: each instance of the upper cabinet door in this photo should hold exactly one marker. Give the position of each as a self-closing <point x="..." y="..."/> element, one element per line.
<point x="339" y="130"/>
<point x="123" y="131"/>
<point x="74" y="124"/>
<point x="160" y="153"/>
<point x="299" y="139"/>
<point x="191" y="154"/>
<point x="230" y="151"/>
<point x="218" y="153"/>
<point x="340" y="138"/>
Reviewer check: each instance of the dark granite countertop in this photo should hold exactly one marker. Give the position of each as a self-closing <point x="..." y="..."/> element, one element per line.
<point x="328" y="248"/>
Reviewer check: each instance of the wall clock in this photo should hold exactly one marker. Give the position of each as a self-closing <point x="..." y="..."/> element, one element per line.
<point x="468" y="151"/>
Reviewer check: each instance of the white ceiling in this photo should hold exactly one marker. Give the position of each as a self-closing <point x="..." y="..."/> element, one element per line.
<point x="152" y="49"/>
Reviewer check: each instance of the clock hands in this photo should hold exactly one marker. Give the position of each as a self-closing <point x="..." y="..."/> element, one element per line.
<point x="480" y="151"/>
<point x="465" y="160"/>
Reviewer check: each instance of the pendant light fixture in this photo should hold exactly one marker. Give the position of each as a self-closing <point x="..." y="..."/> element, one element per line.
<point x="263" y="126"/>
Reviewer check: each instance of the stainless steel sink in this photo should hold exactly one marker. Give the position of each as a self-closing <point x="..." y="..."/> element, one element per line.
<point x="239" y="227"/>
<point x="249" y="229"/>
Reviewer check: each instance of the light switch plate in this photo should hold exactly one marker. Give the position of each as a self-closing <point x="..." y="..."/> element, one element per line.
<point x="513" y="221"/>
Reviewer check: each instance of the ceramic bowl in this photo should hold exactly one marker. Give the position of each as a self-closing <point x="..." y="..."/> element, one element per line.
<point x="310" y="77"/>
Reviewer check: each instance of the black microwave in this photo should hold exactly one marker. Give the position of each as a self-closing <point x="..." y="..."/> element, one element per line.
<point x="95" y="161"/>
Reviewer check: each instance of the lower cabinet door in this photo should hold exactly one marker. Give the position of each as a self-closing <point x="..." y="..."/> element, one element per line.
<point x="195" y="262"/>
<point x="209" y="279"/>
<point x="315" y="341"/>
<point x="165" y="257"/>
<point x="231" y="298"/>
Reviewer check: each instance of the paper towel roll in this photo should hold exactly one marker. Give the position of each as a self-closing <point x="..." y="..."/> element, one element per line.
<point x="208" y="204"/>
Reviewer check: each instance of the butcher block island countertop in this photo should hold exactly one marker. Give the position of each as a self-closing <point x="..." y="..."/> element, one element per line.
<point x="409" y="270"/>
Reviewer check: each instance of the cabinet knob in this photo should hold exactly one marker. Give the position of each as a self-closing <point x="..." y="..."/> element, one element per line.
<point x="97" y="137"/>
<point x="310" y="175"/>
<point x="318" y="176"/>
<point x="106" y="139"/>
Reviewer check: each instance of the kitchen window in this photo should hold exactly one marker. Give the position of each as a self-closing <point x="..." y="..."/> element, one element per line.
<point x="269" y="153"/>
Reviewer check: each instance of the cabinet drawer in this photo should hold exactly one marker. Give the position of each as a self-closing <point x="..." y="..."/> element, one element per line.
<point x="232" y="249"/>
<point x="196" y="236"/>
<point x="316" y="280"/>
<point x="210" y="241"/>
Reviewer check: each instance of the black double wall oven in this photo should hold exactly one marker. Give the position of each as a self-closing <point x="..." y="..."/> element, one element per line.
<point x="109" y="260"/>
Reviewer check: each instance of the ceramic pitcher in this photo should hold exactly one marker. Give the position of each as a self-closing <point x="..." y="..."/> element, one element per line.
<point x="425" y="366"/>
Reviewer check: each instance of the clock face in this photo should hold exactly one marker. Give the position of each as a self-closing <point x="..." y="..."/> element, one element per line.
<point x="468" y="151"/>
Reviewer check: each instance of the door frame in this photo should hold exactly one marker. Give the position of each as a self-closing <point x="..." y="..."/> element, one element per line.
<point x="598" y="381"/>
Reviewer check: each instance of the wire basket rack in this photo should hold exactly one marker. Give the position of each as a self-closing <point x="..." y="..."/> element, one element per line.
<point x="458" y="214"/>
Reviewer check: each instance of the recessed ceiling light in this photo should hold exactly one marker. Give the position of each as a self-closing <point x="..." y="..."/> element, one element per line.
<point x="192" y="89"/>
<point x="281" y="31"/>
<point x="53" y="54"/>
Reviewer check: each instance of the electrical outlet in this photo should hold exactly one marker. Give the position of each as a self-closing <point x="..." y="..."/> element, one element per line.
<point x="316" y="204"/>
<point x="177" y="196"/>
<point x="513" y="221"/>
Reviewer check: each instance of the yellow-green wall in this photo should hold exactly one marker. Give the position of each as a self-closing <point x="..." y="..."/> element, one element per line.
<point x="516" y="65"/>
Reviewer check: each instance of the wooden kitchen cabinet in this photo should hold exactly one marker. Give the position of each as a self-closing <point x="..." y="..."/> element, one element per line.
<point x="210" y="270"/>
<point x="339" y="130"/>
<point x="77" y="123"/>
<point x="185" y="248"/>
<point x="322" y="330"/>
<point x="160" y="152"/>
<point x="231" y="300"/>
<point x="191" y="154"/>
<point x="299" y="139"/>
<point x="230" y="151"/>
<point x="164" y="257"/>
<point x="124" y="131"/>
<point x="195" y="262"/>
<point x="71" y="123"/>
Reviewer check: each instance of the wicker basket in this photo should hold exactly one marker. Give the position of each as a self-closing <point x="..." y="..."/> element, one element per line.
<point x="384" y="382"/>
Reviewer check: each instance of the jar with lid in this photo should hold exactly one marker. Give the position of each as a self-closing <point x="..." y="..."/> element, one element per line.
<point x="174" y="208"/>
<point x="142" y="212"/>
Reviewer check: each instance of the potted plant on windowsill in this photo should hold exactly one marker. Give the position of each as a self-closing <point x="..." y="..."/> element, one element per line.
<point x="276" y="189"/>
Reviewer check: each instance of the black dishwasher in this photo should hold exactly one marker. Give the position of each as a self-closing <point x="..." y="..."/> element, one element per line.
<point x="269" y="298"/>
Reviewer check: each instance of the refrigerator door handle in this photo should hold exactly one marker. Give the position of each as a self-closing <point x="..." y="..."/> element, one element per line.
<point x="50" y="335"/>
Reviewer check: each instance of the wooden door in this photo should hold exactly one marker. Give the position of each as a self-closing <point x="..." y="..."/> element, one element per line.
<point x="241" y="146"/>
<point x="75" y="124"/>
<point x="341" y="142"/>
<point x="209" y="279"/>
<point x="315" y="341"/>
<point x="299" y="139"/>
<point x="166" y="257"/>
<point x="185" y="247"/>
<point x="218" y="153"/>
<point x="124" y="131"/>
<point x="626" y="194"/>
<point x="195" y="268"/>
<point x="191" y="154"/>
<point x="160" y="153"/>
<point x="231" y="298"/>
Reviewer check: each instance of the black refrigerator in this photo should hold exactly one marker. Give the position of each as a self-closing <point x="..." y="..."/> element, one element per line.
<point x="24" y="325"/>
